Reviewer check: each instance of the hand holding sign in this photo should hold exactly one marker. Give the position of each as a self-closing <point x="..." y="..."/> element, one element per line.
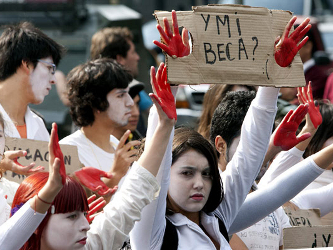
<point x="55" y="151"/>
<point x="286" y="48"/>
<point x="94" y="206"/>
<point x="91" y="178"/>
<point x="10" y="162"/>
<point x="285" y="134"/>
<point x="162" y="92"/>
<point x="305" y="96"/>
<point x="174" y="44"/>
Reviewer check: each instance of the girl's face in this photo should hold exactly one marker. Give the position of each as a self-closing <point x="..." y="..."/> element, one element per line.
<point x="190" y="182"/>
<point x="65" y="231"/>
<point x="2" y="140"/>
<point x="327" y="143"/>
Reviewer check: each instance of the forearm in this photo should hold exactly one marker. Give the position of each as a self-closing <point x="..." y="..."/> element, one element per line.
<point x="48" y="194"/>
<point x="18" y="229"/>
<point x="153" y="154"/>
<point x="110" y="229"/>
<point x="304" y="144"/>
<point x="243" y="168"/>
<point x="283" y="161"/>
<point x="281" y="190"/>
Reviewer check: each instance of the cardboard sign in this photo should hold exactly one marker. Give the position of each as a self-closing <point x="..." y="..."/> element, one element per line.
<point x="37" y="151"/>
<point x="308" y="237"/>
<point x="232" y="44"/>
<point x="303" y="218"/>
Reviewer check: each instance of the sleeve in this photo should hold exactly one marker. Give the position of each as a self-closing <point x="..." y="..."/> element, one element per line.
<point x="148" y="233"/>
<point x="283" y="161"/>
<point x="110" y="229"/>
<point x="245" y="165"/>
<point x="280" y="190"/>
<point x="17" y="230"/>
<point x="316" y="198"/>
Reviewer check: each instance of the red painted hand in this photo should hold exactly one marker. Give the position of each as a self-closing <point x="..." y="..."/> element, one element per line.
<point x="285" y="134"/>
<point x="94" y="206"/>
<point x="58" y="153"/>
<point x="305" y="96"/>
<point x="286" y="48"/>
<point x="174" y="44"/>
<point x="27" y="168"/>
<point x="162" y="91"/>
<point x="91" y="178"/>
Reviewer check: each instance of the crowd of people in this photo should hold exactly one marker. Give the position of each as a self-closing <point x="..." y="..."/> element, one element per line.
<point x="221" y="186"/>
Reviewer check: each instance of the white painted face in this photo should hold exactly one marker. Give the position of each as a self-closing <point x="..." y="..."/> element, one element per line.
<point x="190" y="182"/>
<point x="2" y="140"/>
<point x="41" y="80"/>
<point x="65" y="231"/>
<point x="327" y="143"/>
<point x="120" y="104"/>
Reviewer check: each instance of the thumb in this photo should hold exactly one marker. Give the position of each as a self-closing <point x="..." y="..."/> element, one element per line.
<point x="15" y="154"/>
<point x="277" y="40"/>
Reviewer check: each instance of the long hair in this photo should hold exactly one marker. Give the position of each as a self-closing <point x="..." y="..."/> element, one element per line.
<point x="325" y="130"/>
<point x="71" y="198"/>
<point x="186" y="139"/>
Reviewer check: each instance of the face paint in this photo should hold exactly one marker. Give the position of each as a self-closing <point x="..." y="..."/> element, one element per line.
<point x="41" y="80"/>
<point x="120" y="104"/>
<point x="190" y="182"/>
<point x="2" y="140"/>
<point x="65" y="231"/>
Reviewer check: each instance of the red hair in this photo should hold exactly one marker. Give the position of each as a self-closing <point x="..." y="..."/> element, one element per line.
<point x="71" y="198"/>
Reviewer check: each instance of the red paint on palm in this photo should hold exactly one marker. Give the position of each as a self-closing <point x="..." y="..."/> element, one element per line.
<point x="36" y="169"/>
<point x="175" y="45"/>
<point x="285" y="134"/>
<point x="286" y="48"/>
<point x="91" y="178"/>
<point x="163" y="92"/>
<point x="58" y="154"/>
<point x="305" y="96"/>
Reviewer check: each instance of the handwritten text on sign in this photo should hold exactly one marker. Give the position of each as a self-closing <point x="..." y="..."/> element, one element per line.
<point x="37" y="151"/>
<point x="232" y="44"/>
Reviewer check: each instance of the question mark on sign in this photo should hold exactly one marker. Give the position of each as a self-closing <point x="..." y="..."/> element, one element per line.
<point x="255" y="47"/>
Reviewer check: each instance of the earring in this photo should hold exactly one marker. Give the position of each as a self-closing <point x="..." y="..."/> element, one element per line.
<point x="52" y="209"/>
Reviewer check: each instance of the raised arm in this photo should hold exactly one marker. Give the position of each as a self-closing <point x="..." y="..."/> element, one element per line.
<point x="282" y="189"/>
<point x="140" y="186"/>
<point x="287" y="159"/>
<point x="18" y="229"/>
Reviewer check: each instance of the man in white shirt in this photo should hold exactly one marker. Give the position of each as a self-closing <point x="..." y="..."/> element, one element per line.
<point x="99" y="103"/>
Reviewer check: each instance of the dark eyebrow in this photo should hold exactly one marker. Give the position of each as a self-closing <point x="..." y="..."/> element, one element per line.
<point x="188" y="168"/>
<point x="121" y="91"/>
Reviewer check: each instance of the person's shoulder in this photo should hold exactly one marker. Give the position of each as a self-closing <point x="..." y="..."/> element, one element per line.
<point x="72" y="139"/>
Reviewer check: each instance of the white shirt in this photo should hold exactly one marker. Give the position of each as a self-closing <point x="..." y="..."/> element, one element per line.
<point x="237" y="180"/>
<point x="267" y="233"/>
<point x="36" y="129"/>
<point x="90" y="154"/>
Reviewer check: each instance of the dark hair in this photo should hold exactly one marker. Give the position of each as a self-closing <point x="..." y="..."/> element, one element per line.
<point x="325" y="130"/>
<point x="229" y="115"/>
<point x="211" y="100"/>
<point x="25" y="42"/>
<point x="186" y="139"/>
<point x="71" y="198"/>
<point x="89" y="85"/>
<point x="110" y="42"/>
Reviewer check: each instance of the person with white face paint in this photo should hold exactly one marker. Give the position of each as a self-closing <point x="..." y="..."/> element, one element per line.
<point x="28" y="60"/>
<point x="100" y="103"/>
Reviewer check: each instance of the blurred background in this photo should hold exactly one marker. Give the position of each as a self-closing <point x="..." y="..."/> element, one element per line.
<point x="73" y="22"/>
